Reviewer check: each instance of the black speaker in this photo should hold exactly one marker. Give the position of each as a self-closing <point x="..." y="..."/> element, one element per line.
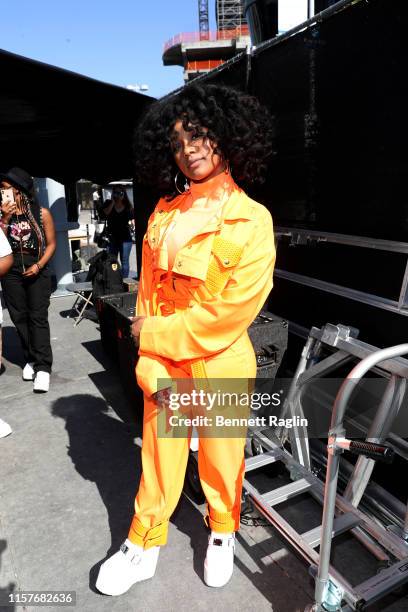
<point x="269" y="337"/>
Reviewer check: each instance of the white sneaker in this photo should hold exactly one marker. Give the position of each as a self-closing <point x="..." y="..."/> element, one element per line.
<point x="28" y="372"/>
<point x="5" y="429"/>
<point x="129" y="565"/>
<point x="195" y="441"/>
<point x="41" y="382"/>
<point x="219" y="561"/>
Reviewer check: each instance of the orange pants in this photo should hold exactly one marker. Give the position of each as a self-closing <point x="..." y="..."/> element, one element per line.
<point x="164" y="460"/>
<point x="221" y="461"/>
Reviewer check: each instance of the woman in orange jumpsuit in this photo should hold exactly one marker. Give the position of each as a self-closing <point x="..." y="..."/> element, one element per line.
<point x="207" y="264"/>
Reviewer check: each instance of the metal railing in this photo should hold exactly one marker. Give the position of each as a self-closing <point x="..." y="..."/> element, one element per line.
<point x="306" y="237"/>
<point x="211" y="35"/>
<point x="203" y="64"/>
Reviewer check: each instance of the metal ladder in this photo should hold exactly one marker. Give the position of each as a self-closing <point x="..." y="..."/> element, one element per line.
<point x="340" y="512"/>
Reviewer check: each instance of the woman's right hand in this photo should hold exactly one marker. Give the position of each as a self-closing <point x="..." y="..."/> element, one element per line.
<point x="163" y="397"/>
<point x="137" y="323"/>
<point x="8" y="209"/>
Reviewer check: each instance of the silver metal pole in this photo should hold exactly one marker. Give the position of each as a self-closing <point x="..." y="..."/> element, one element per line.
<point x="299" y="443"/>
<point x="299" y="370"/>
<point x="329" y="505"/>
<point x="348" y="386"/>
<point x="336" y="430"/>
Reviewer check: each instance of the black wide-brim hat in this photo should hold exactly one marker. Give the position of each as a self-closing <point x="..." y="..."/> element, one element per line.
<point x="19" y="178"/>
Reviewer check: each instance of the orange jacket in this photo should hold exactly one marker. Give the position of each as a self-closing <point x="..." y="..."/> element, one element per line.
<point x="219" y="281"/>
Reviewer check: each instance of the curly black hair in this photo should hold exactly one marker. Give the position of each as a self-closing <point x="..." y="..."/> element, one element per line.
<point x="236" y="121"/>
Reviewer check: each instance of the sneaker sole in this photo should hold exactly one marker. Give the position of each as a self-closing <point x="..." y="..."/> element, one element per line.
<point x="215" y="585"/>
<point x="114" y="593"/>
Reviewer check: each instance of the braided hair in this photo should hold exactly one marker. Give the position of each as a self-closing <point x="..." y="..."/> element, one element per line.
<point x="27" y="203"/>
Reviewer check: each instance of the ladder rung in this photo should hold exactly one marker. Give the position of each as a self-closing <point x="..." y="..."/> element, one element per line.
<point x="342" y="523"/>
<point x="281" y="494"/>
<point x="253" y="463"/>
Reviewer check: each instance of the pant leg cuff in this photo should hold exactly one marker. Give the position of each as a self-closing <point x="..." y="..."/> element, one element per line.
<point x="147" y="537"/>
<point x="223" y="522"/>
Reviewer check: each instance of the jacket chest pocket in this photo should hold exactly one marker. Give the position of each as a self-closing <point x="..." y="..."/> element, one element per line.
<point x="226" y="255"/>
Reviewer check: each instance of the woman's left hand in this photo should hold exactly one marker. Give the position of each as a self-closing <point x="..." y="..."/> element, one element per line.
<point x="137" y="323"/>
<point x="32" y="271"/>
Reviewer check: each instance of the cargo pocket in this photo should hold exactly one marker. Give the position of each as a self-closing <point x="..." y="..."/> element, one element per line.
<point x="225" y="257"/>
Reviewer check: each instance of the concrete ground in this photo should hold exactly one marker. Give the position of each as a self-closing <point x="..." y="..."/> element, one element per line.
<point x="68" y="476"/>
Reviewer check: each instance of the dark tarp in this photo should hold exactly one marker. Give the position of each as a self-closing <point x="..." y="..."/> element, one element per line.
<point x="337" y="91"/>
<point x="338" y="95"/>
<point x="63" y="125"/>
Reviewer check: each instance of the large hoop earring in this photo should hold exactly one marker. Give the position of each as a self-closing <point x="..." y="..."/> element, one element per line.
<point x="186" y="184"/>
<point x="227" y="168"/>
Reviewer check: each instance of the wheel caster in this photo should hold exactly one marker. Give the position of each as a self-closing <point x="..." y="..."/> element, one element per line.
<point x="382" y="565"/>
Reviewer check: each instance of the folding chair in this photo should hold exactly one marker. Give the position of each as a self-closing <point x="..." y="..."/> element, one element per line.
<point x="83" y="292"/>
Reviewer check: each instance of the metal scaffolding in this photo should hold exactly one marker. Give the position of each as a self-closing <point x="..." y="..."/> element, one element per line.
<point x="229" y="14"/>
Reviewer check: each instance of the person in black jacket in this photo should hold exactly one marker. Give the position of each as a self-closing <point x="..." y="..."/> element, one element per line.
<point x="120" y="218"/>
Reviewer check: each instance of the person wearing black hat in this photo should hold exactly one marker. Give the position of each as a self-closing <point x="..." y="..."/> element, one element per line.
<point x="6" y="261"/>
<point x="27" y="287"/>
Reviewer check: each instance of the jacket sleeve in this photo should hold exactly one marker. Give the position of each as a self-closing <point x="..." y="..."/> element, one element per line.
<point x="142" y="302"/>
<point x="212" y="326"/>
<point x="145" y="277"/>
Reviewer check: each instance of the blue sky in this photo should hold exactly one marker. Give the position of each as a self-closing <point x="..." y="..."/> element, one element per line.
<point x="117" y="41"/>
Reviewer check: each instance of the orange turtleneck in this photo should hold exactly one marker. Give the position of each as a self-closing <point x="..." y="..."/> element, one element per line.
<point x="200" y="204"/>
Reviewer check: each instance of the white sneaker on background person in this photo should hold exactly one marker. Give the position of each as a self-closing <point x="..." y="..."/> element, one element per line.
<point x="129" y="565"/>
<point x="219" y="561"/>
<point x="41" y="382"/>
<point x="5" y="429"/>
<point x="28" y="372"/>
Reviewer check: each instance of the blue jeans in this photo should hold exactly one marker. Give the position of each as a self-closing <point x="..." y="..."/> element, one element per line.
<point x="123" y="249"/>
